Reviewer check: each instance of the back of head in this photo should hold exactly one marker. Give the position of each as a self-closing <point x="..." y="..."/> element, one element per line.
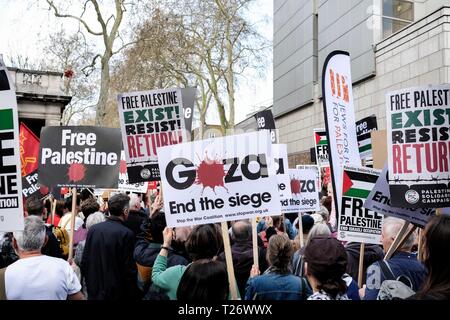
<point x="436" y="257"/>
<point x="279" y="253"/>
<point x="32" y="238"/>
<point x="327" y="202"/>
<point x="204" y="242"/>
<point x="59" y="210"/>
<point x="326" y="260"/>
<point x="86" y="194"/>
<point x="68" y="203"/>
<point x="35" y="207"/>
<point x="324" y="213"/>
<point x="118" y="203"/>
<point x="204" y="280"/>
<point x="157" y="225"/>
<point x="94" y="218"/>
<point x="135" y="202"/>
<point x="391" y="227"/>
<point x="89" y="206"/>
<point x="318" y="230"/>
<point x="241" y="231"/>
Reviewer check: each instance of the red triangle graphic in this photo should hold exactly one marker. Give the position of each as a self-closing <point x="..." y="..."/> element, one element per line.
<point x="346" y="183"/>
<point x="317" y="138"/>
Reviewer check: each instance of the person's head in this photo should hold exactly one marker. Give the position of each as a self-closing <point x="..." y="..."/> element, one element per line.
<point x="435" y="255"/>
<point x="324" y="213"/>
<point x="318" y="230"/>
<point x="59" y="210"/>
<point x="68" y="204"/>
<point x="157" y="225"/>
<point x="325" y="264"/>
<point x="204" y="242"/>
<point x="327" y="202"/>
<point x="86" y="194"/>
<point x="118" y="205"/>
<point x="135" y="202"/>
<point x="33" y="236"/>
<point x="94" y="218"/>
<point x="317" y="218"/>
<point x="277" y="222"/>
<point x="279" y="253"/>
<point x="35" y="207"/>
<point x="391" y="227"/>
<point x="89" y="206"/>
<point x="241" y="231"/>
<point x="307" y="224"/>
<point x="204" y="280"/>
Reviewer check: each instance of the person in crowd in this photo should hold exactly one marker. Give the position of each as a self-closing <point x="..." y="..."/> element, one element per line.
<point x="148" y="246"/>
<point x="51" y="248"/>
<point x="402" y="263"/>
<point x="307" y="224"/>
<point x="325" y="264"/>
<point x="59" y="212"/>
<point x="91" y="220"/>
<point x="136" y="215"/>
<point x="88" y="207"/>
<point x="277" y="283"/>
<point x="318" y="218"/>
<point x="28" y="278"/>
<point x="242" y="252"/>
<point x="435" y="254"/>
<point x="320" y="229"/>
<point x="204" y="280"/>
<point x="268" y="227"/>
<point x="65" y="220"/>
<point x="372" y="254"/>
<point x="204" y="242"/>
<point x="326" y="201"/>
<point x="107" y="262"/>
<point x="86" y="194"/>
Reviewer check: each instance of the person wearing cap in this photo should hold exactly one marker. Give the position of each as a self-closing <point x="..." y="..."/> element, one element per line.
<point x="325" y="264"/>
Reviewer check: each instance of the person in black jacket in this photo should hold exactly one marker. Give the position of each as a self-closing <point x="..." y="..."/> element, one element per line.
<point x="136" y="215"/>
<point x="51" y="248"/>
<point x="242" y="252"/>
<point x="107" y="264"/>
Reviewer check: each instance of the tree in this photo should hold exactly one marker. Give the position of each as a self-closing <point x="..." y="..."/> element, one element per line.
<point x="108" y="30"/>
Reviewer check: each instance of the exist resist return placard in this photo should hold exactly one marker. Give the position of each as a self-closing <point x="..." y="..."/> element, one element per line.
<point x="79" y="157"/>
<point x="418" y="134"/>
<point x="222" y="179"/>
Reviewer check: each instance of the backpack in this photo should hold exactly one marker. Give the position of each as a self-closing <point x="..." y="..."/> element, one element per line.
<point x="393" y="288"/>
<point x="63" y="238"/>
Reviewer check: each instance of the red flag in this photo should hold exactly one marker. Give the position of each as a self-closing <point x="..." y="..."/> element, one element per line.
<point x="29" y="150"/>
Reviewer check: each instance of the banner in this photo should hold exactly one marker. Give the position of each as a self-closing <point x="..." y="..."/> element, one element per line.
<point x="305" y="188"/>
<point x="124" y="183"/>
<point x="222" y="179"/>
<point x="363" y="129"/>
<point x="321" y="143"/>
<point x="418" y="135"/>
<point x="379" y="200"/>
<point x="79" y="156"/>
<point x="356" y="223"/>
<point x="265" y="121"/>
<point x="149" y="120"/>
<point x="339" y="116"/>
<point x="11" y="206"/>
<point x="31" y="186"/>
<point x="279" y="153"/>
<point x="29" y="150"/>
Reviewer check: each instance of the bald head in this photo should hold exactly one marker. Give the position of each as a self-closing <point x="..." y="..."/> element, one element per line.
<point x="242" y="231"/>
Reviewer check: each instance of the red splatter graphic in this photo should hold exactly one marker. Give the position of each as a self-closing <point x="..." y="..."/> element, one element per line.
<point x="295" y="186"/>
<point x="123" y="167"/>
<point x="43" y="190"/>
<point x="210" y="173"/>
<point x="76" y="172"/>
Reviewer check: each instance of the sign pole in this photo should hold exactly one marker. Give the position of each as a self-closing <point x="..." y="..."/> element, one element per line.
<point x="72" y="222"/>
<point x="229" y="260"/>
<point x="53" y="211"/>
<point x="361" y="264"/>
<point x="300" y="229"/>
<point x="255" y="243"/>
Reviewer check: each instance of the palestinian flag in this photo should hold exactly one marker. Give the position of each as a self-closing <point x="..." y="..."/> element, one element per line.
<point x="364" y="142"/>
<point x="358" y="184"/>
<point x="320" y="137"/>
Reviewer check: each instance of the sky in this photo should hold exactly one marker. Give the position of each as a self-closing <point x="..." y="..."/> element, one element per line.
<point x="25" y="24"/>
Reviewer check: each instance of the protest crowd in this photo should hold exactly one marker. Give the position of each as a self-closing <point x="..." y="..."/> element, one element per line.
<point x="123" y="250"/>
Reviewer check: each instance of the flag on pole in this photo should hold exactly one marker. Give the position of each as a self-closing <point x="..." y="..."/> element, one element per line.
<point x="29" y="150"/>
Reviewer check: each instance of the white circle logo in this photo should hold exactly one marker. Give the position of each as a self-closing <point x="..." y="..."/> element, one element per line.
<point x="145" y="173"/>
<point x="412" y="196"/>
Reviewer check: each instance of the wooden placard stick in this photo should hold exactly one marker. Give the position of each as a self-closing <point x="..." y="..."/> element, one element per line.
<point x="72" y="222"/>
<point x="229" y="261"/>
<point x="300" y="229"/>
<point x="53" y="212"/>
<point x="361" y="264"/>
<point x="255" y="243"/>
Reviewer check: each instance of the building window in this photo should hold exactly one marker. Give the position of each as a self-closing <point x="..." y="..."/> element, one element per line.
<point x="397" y="14"/>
